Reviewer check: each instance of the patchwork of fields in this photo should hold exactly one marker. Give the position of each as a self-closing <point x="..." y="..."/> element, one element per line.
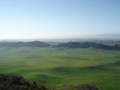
<point x="53" y="66"/>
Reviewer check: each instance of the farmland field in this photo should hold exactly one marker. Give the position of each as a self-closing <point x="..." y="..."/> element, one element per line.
<point x="54" y="66"/>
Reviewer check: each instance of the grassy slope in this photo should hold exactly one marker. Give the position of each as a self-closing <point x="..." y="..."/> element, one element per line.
<point x="61" y="66"/>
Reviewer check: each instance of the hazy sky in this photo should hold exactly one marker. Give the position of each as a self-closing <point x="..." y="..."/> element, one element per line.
<point x="28" y="19"/>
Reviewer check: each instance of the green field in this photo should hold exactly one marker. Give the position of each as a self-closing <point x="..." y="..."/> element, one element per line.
<point x="53" y="66"/>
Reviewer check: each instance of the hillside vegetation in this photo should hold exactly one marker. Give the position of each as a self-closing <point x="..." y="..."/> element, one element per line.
<point x="63" y="67"/>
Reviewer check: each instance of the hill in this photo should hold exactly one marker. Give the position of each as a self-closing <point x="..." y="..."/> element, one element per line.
<point x="88" y="45"/>
<point x="24" y="44"/>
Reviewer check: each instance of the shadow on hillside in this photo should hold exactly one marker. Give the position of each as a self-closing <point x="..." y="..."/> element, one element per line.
<point x="101" y="67"/>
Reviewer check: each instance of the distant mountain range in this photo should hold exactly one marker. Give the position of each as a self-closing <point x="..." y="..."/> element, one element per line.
<point x="24" y="44"/>
<point x="98" y="37"/>
<point x="70" y="44"/>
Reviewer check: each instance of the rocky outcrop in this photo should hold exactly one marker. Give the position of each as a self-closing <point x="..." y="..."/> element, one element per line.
<point x="9" y="82"/>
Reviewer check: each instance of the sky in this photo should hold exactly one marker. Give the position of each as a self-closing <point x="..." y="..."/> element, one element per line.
<point x="35" y="19"/>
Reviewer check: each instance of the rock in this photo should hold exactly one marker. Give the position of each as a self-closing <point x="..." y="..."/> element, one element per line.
<point x="88" y="87"/>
